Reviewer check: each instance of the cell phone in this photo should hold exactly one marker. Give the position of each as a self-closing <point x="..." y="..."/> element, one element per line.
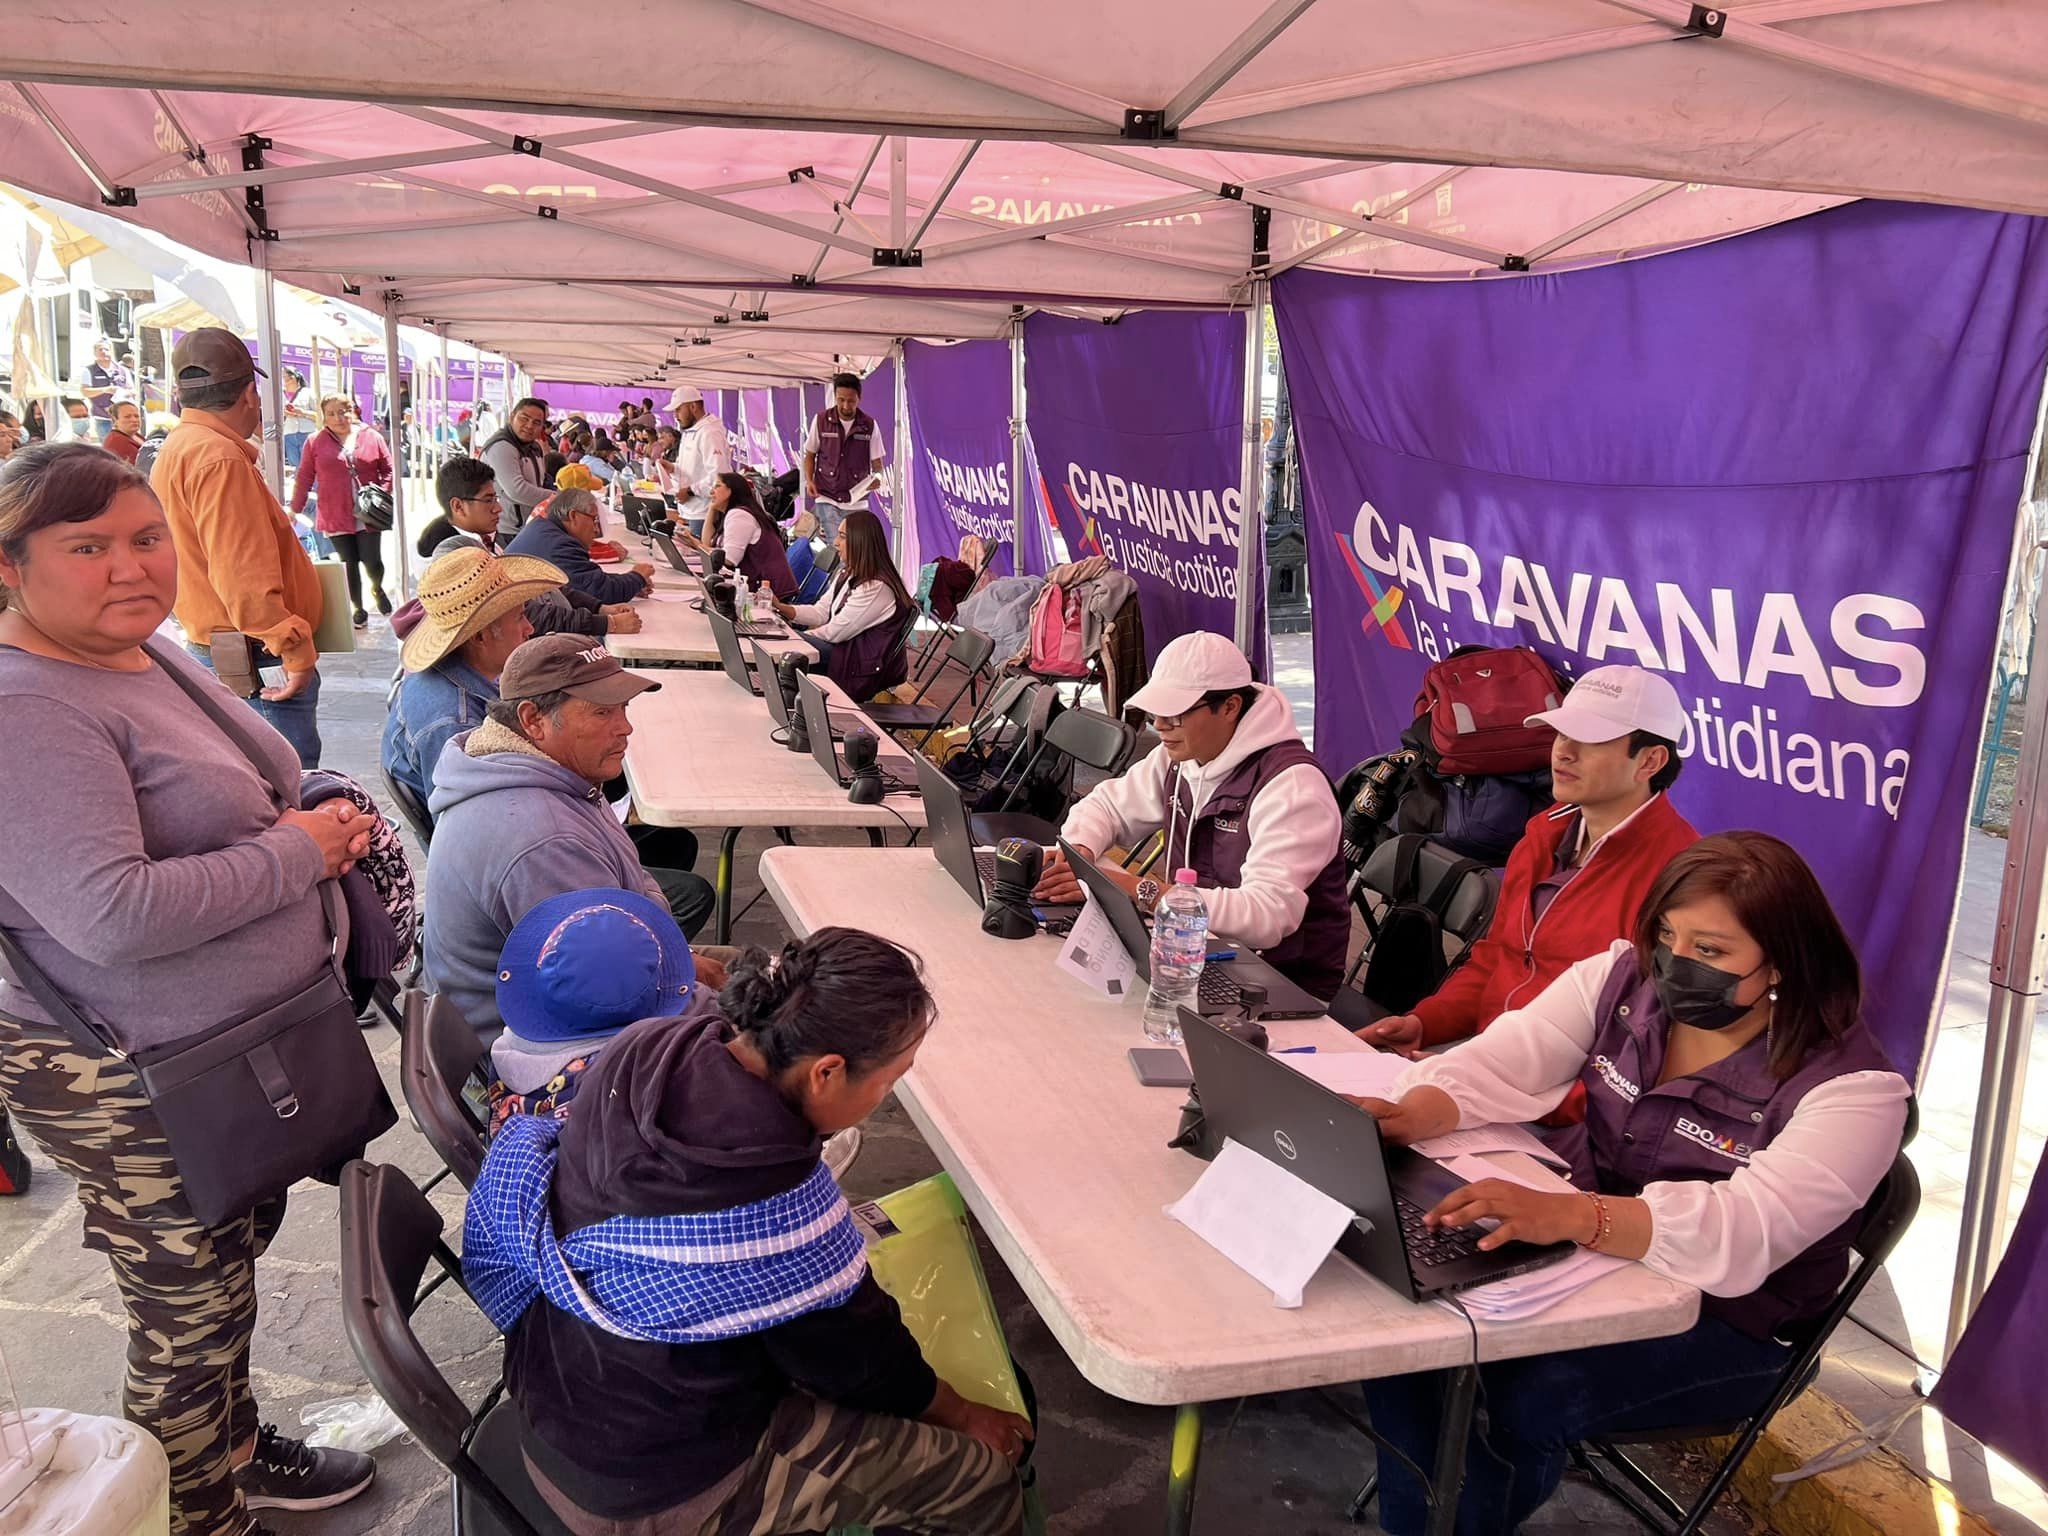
<point x="1161" y="1066"/>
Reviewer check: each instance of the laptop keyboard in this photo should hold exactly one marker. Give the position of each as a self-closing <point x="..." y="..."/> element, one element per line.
<point x="1217" y="988"/>
<point x="1432" y="1248"/>
<point x="760" y="631"/>
<point x="985" y="864"/>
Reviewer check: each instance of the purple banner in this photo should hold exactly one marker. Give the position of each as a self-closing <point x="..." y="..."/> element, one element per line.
<point x="1138" y="431"/>
<point x="1992" y="1385"/>
<point x="755" y="443"/>
<point x="725" y="405"/>
<point x="788" y="406"/>
<point x="960" y="424"/>
<point x="597" y="404"/>
<point x="878" y="399"/>
<point x="1780" y="471"/>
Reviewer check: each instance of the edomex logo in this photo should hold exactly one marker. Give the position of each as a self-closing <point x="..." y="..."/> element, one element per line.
<point x="1382" y="604"/>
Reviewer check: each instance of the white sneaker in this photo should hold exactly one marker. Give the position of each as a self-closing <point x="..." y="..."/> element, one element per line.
<point x="841" y="1149"/>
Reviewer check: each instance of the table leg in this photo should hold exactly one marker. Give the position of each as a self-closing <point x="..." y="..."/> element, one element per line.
<point x="1461" y="1393"/>
<point x="1182" y="1463"/>
<point x="721" y="929"/>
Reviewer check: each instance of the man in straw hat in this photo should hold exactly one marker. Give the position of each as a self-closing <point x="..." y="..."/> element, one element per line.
<point x="472" y="618"/>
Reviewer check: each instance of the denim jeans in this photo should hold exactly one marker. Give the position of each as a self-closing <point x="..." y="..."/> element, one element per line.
<point x="1531" y="1409"/>
<point x="293" y="719"/>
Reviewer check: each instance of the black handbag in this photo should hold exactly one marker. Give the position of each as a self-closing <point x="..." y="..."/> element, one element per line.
<point x="372" y="502"/>
<point x="253" y="1105"/>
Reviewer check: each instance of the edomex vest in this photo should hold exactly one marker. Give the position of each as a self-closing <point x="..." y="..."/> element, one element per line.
<point x="871" y="661"/>
<point x="844" y="452"/>
<point x="1312" y="957"/>
<point x="767" y="560"/>
<point x="1703" y="1127"/>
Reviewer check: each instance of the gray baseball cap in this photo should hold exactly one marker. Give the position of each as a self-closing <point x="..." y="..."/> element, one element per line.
<point x="571" y="664"/>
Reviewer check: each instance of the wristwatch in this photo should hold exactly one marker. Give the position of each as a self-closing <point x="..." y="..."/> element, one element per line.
<point x="1146" y="895"/>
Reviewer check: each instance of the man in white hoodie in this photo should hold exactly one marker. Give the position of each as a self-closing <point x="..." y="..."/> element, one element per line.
<point x="1244" y="805"/>
<point x="704" y="453"/>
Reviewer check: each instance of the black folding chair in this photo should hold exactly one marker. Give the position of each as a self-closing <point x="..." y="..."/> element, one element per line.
<point x="1080" y="736"/>
<point x="411" y="807"/>
<point x="1884" y="1219"/>
<point x="1462" y="891"/>
<point x="439" y="1057"/>
<point x="389" y="1235"/>
<point x="972" y="650"/>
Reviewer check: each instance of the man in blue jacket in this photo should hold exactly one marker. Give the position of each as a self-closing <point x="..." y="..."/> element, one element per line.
<point x="562" y="536"/>
<point x="472" y="618"/>
<point x="520" y="815"/>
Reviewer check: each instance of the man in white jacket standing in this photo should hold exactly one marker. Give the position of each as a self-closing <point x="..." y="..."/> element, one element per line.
<point x="704" y="454"/>
<point x="1244" y="805"/>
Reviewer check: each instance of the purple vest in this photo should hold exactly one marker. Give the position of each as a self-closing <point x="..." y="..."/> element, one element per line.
<point x="1702" y="1127"/>
<point x="766" y="560"/>
<point x="1312" y="957"/>
<point x="869" y="662"/>
<point x="844" y="450"/>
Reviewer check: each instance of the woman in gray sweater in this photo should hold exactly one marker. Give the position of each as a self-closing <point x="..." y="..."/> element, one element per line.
<point x="146" y="872"/>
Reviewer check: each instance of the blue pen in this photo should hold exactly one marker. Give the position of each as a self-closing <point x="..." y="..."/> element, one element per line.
<point x="1297" y="1050"/>
<point x="1222" y="954"/>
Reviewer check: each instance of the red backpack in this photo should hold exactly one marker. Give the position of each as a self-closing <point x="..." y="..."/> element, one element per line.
<point x="1469" y="714"/>
<point x="1056" y="648"/>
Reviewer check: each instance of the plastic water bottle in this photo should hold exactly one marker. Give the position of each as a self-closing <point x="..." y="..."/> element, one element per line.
<point x="1180" y="946"/>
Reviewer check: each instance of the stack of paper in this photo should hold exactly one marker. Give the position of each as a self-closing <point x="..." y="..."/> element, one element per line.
<point x="1521" y="1296"/>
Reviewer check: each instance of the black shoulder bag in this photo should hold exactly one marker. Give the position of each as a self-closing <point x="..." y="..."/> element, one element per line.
<point x="253" y="1105"/>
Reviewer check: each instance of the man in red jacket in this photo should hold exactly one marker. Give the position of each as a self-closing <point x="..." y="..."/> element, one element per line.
<point x="1580" y="872"/>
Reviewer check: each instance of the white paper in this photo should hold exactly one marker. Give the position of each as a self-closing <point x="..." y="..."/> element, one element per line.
<point x="1274" y="1226"/>
<point x="1474" y="1139"/>
<point x="1097" y="956"/>
<point x="1361" y="1074"/>
<point x="1520" y="1296"/>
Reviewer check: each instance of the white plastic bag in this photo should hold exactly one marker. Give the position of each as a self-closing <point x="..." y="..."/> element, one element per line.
<point x="351" y="1423"/>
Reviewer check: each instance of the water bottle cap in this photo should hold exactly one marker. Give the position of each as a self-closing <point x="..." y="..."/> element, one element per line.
<point x="1185" y="877"/>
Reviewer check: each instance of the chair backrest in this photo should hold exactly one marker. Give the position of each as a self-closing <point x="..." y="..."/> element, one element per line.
<point x="1095" y="739"/>
<point x="437" y="1053"/>
<point x="1469" y="909"/>
<point x="411" y="807"/>
<point x="972" y="650"/>
<point x="828" y="559"/>
<point x="389" y="1233"/>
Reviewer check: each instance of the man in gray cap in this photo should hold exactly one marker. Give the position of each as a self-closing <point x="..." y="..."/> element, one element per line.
<point x="520" y="816"/>
<point x="241" y="570"/>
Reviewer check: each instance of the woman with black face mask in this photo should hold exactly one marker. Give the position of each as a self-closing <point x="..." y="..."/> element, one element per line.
<point x="1738" y="1117"/>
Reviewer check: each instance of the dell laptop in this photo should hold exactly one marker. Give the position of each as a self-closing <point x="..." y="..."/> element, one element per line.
<point x="1263" y="1104"/>
<point x="1218" y="990"/>
<point x="674" y="556"/>
<point x="952" y="833"/>
<point x="825" y="748"/>
<point x="771" y="689"/>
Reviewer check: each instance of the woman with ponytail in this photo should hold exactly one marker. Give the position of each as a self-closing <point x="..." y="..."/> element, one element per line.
<point x="692" y="1336"/>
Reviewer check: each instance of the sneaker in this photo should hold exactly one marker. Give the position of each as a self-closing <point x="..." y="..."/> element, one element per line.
<point x="841" y="1149"/>
<point x="360" y="619"/>
<point x="383" y="601"/>
<point x="289" y="1474"/>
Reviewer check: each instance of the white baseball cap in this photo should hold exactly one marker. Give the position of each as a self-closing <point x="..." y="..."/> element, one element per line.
<point x="1610" y="702"/>
<point x="1188" y="668"/>
<point x="686" y="394"/>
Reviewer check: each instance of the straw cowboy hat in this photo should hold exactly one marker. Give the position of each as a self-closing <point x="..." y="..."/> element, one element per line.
<point x="465" y="591"/>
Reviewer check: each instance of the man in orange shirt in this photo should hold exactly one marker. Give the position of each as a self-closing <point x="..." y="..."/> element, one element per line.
<point x="240" y="567"/>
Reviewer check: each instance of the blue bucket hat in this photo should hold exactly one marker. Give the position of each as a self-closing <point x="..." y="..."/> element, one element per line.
<point x="590" y="963"/>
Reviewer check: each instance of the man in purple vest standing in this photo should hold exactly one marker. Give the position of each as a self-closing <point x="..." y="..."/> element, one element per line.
<point x="1244" y="805"/>
<point x="842" y="449"/>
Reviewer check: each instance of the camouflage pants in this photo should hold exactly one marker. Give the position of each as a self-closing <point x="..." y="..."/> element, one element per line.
<point x="820" y="1467"/>
<point x="190" y="1290"/>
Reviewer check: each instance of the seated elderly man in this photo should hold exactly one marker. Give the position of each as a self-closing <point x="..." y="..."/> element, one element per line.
<point x="562" y="536"/>
<point x="520" y="815"/>
<point x="473" y="617"/>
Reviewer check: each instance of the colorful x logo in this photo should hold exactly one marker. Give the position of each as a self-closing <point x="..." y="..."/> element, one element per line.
<point x="1381" y="606"/>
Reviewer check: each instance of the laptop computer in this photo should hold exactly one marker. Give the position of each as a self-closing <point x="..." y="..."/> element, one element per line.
<point x="765" y="629"/>
<point x="952" y="833"/>
<point x="675" y="558"/>
<point x="771" y="690"/>
<point x="1218" y="990"/>
<point x="825" y="746"/>
<point x="1289" y="1119"/>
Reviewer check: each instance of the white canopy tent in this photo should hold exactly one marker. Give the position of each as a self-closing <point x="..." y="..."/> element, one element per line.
<point x="827" y="177"/>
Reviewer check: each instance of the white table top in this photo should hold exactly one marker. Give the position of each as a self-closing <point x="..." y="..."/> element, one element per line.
<point x="673" y="630"/>
<point x="1023" y="1090"/>
<point x="701" y="756"/>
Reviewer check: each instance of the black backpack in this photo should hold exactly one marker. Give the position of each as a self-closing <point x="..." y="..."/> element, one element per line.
<point x="1407" y="962"/>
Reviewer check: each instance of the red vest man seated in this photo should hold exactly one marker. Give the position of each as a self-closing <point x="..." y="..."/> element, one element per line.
<point x="1242" y="803"/>
<point x="1577" y="878"/>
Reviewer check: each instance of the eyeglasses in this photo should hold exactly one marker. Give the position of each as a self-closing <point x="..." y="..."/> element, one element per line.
<point x="487" y="499"/>
<point x="1172" y="722"/>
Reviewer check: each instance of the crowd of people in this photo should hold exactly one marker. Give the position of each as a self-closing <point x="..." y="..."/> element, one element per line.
<point x="1681" y="1011"/>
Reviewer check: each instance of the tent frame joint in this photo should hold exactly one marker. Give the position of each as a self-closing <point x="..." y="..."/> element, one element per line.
<point x="1707" y="21"/>
<point x="1514" y="263"/>
<point x="1148" y="125"/>
<point x="545" y="211"/>
<point x="1232" y="190"/>
<point x="798" y="173"/>
<point x="523" y="144"/>
<point x="253" y="146"/>
<point x="801" y="280"/>
<point x="889" y="256"/>
<point x="120" y="197"/>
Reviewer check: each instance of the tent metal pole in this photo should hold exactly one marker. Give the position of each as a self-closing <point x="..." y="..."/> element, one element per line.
<point x="393" y="439"/>
<point x="2019" y="953"/>
<point x="273" y="382"/>
<point x="1021" y="507"/>
<point x="1251" y="526"/>
<point x="899" y="458"/>
<point x="446" y="417"/>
